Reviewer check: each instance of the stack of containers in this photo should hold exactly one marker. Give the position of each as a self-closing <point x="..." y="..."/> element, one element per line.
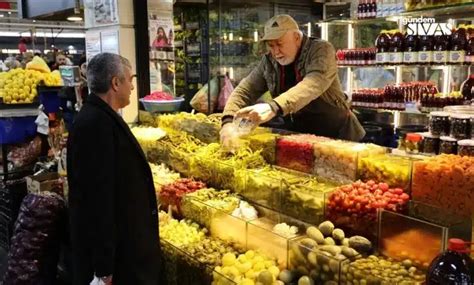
<point x="449" y="133"/>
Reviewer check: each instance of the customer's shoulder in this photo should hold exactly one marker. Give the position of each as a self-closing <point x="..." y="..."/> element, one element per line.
<point x="317" y="43"/>
<point x="92" y="116"/>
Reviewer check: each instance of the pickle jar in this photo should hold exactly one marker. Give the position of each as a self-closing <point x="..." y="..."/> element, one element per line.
<point x="466" y="147"/>
<point x="448" y="145"/>
<point x="430" y="143"/>
<point x="439" y="123"/>
<point x="460" y="126"/>
<point x="413" y="143"/>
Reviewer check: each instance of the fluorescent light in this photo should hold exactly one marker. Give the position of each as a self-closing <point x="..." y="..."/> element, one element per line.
<point x="231" y="36"/>
<point x="1" y="15"/>
<point x="70" y="47"/>
<point x="255" y="36"/>
<point x="34" y="21"/>
<point x="74" y="18"/>
<point x="240" y="38"/>
<point x="309" y="29"/>
<point x="43" y="35"/>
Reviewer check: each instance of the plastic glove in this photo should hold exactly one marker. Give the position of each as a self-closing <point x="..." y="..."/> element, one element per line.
<point x="229" y="137"/>
<point x="258" y="113"/>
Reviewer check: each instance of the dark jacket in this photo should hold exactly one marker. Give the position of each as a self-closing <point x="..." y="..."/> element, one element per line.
<point x="317" y="103"/>
<point x="113" y="209"/>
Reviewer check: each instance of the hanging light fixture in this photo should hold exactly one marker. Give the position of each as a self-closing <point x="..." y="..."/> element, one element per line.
<point x="77" y="13"/>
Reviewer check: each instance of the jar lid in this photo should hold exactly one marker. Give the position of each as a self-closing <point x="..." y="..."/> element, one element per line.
<point x="429" y="135"/>
<point x="439" y="114"/>
<point x="466" y="143"/>
<point x="413" y="137"/>
<point x="449" y="139"/>
<point x="461" y="116"/>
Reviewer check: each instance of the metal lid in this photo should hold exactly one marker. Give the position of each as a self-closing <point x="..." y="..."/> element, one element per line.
<point x="464" y="109"/>
<point x="461" y="116"/>
<point x="449" y="139"/>
<point x="439" y="114"/>
<point x="466" y="143"/>
<point x="429" y="135"/>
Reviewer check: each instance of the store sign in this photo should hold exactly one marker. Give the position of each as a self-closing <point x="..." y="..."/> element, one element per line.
<point x="427" y="27"/>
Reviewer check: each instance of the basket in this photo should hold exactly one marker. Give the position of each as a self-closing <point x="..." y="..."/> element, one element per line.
<point x="162" y="106"/>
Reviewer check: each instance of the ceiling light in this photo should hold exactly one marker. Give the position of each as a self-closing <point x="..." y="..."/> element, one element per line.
<point x="1" y="15"/>
<point x="34" y="21"/>
<point x="9" y="12"/>
<point x="77" y="13"/>
<point x="74" y="18"/>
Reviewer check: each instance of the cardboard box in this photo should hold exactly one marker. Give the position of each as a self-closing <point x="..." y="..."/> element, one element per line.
<point x="42" y="182"/>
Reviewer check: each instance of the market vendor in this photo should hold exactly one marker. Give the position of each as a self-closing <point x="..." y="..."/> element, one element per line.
<point x="301" y="75"/>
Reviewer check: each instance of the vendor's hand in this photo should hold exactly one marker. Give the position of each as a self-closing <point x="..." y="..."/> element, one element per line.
<point x="228" y="136"/>
<point x="258" y="113"/>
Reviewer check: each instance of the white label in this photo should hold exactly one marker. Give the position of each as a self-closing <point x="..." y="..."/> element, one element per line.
<point x="425" y="56"/>
<point x="396" y="57"/>
<point x="457" y="56"/>
<point x="381" y="57"/>
<point x="410" y="57"/>
<point x="440" y="56"/>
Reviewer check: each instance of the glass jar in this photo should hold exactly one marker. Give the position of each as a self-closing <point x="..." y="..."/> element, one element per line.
<point x="430" y="143"/>
<point x="413" y="143"/>
<point x="466" y="147"/>
<point x="448" y="145"/>
<point x="439" y="123"/>
<point x="460" y="126"/>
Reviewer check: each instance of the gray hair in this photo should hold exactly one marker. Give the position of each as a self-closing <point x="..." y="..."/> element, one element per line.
<point x="102" y="68"/>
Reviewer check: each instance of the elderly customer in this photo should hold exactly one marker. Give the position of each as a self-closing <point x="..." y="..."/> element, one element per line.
<point x="301" y="75"/>
<point x="113" y="210"/>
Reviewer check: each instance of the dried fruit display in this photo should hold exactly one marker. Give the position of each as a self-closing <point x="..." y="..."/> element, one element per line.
<point x="393" y="170"/>
<point x="445" y="181"/>
<point x="354" y="206"/>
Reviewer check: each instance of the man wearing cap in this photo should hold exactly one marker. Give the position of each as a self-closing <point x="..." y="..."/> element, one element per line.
<point x="301" y="75"/>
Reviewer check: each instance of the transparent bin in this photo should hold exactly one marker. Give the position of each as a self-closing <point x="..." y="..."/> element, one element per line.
<point x="265" y="142"/>
<point x="405" y="238"/>
<point x="306" y="203"/>
<point x="321" y="266"/>
<point x="391" y="169"/>
<point x="262" y="237"/>
<point x="381" y="270"/>
<point x="337" y="160"/>
<point x="262" y="189"/>
<point x="445" y="181"/>
<point x="180" y="161"/>
<point x="294" y="154"/>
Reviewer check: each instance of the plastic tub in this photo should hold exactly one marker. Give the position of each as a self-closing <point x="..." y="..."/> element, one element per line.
<point x="162" y="106"/>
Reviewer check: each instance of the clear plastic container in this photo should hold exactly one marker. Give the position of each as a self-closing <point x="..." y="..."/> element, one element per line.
<point x="466" y="147"/>
<point x="460" y="126"/>
<point x="430" y="143"/>
<point x="413" y="143"/>
<point x="439" y="123"/>
<point x="448" y="145"/>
